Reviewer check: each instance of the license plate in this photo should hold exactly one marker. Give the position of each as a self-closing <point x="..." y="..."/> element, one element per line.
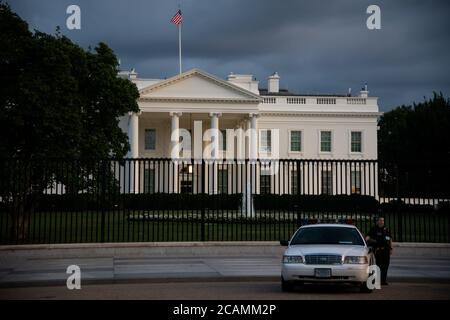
<point x="322" y="273"/>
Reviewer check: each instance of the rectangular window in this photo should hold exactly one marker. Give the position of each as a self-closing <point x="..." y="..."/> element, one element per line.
<point x="222" y="181"/>
<point x="296" y="141"/>
<point x="223" y="140"/>
<point x="150" y="139"/>
<point x="325" y="141"/>
<point x="327" y="182"/>
<point x="264" y="184"/>
<point x="185" y="176"/>
<point x="295" y="182"/>
<point x="356" y="181"/>
<point x="149" y="180"/>
<point x="266" y="141"/>
<point x="356" y="137"/>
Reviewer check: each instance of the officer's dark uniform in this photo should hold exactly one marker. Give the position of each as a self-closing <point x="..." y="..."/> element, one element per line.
<point x="383" y="247"/>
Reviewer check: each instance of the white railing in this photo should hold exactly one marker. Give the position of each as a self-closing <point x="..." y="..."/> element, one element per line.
<point x="270" y="100"/>
<point x="355" y="100"/>
<point x="312" y="100"/>
<point x="326" y="100"/>
<point x="296" y="100"/>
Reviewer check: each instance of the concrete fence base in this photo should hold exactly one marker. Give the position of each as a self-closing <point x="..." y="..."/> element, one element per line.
<point x="196" y="249"/>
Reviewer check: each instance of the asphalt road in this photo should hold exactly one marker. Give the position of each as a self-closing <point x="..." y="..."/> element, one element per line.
<point x="259" y="290"/>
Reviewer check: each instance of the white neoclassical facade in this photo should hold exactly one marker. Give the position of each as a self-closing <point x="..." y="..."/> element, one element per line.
<point x="310" y="127"/>
<point x="282" y="124"/>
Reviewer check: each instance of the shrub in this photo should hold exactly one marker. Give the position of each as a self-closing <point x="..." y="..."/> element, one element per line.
<point x="316" y="203"/>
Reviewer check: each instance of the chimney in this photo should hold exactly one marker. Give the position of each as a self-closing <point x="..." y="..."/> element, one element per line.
<point x="245" y="81"/>
<point x="133" y="74"/>
<point x="273" y="84"/>
<point x="364" y="93"/>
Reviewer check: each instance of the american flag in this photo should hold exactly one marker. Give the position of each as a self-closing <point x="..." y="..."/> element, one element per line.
<point x="177" y="18"/>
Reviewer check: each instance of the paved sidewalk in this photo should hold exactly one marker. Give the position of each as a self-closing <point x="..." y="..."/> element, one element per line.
<point x="31" y="268"/>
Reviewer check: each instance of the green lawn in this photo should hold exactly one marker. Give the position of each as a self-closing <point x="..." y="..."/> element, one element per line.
<point x="186" y="225"/>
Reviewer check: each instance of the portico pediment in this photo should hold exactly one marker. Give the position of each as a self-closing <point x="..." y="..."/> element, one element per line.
<point x="197" y="86"/>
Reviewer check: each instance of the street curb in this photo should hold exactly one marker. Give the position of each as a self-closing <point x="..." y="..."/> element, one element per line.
<point x="192" y="249"/>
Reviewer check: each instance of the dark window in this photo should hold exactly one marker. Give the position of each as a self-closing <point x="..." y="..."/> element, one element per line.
<point x="356" y="181"/>
<point x="264" y="184"/>
<point x="327" y="182"/>
<point x="222" y="180"/>
<point x="149" y="180"/>
<point x="223" y="140"/>
<point x="150" y="139"/>
<point x="186" y="179"/>
<point x="295" y="182"/>
<point x="325" y="141"/>
<point x="296" y="141"/>
<point x="356" y="138"/>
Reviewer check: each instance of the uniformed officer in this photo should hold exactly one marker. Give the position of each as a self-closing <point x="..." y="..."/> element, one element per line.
<point x="383" y="247"/>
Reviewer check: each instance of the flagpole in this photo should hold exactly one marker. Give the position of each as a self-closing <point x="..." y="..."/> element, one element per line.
<point x="178" y="20"/>
<point x="179" y="44"/>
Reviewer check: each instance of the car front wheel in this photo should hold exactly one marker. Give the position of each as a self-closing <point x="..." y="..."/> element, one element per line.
<point x="286" y="286"/>
<point x="364" y="288"/>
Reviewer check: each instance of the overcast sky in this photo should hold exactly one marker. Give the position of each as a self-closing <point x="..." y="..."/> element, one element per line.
<point x="315" y="46"/>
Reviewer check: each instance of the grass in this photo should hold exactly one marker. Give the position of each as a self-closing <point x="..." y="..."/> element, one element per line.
<point x="186" y="225"/>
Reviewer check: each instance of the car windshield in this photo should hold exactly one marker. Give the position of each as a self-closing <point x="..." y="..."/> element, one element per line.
<point x="328" y="235"/>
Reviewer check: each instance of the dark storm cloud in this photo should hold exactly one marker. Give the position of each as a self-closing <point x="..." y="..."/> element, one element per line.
<point x="316" y="46"/>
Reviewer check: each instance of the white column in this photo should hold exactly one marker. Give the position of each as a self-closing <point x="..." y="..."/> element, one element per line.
<point x="174" y="150"/>
<point x="175" y="134"/>
<point x="248" y="140"/>
<point x="251" y="166"/>
<point x="133" y="134"/>
<point x="133" y="138"/>
<point x="215" y="134"/>
<point x="253" y="136"/>
<point x="213" y="170"/>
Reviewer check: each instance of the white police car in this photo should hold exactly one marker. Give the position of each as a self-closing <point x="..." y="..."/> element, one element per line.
<point x="326" y="253"/>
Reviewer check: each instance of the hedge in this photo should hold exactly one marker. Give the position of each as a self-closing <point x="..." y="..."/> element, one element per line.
<point x="173" y="201"/>
<point x="155" y="201"/>
<point x="316" y="203"/>
<point x="272" y="202"/>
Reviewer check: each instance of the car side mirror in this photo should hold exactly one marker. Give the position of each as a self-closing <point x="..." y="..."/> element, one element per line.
<point x="284" y="243"/>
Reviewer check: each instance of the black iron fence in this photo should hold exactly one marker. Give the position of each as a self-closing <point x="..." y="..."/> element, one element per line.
<point x="118" y="200"/>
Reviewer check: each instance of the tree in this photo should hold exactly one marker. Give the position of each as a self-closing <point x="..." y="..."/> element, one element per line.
<point x="414" y="148"/>
<point x="56" y="100"/>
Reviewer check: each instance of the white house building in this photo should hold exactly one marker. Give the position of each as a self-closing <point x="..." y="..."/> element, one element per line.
<point x="283" y="125"/>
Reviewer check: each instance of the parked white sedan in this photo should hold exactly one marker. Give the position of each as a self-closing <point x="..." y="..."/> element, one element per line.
<point x="326" y="253"/>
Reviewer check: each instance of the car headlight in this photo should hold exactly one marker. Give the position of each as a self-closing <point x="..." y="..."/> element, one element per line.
<point x="356" y="260"/>
<point x="292" y="259"/>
